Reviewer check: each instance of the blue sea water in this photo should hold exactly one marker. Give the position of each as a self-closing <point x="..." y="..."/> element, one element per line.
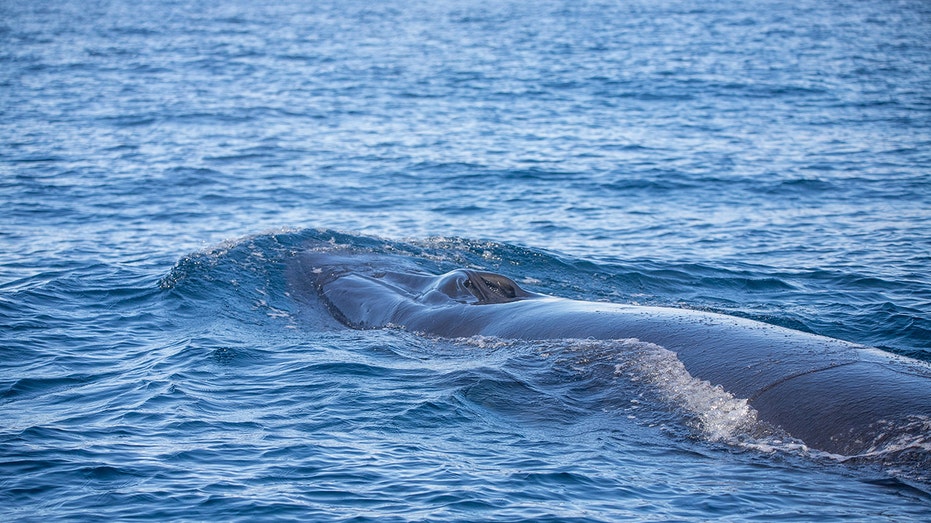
<point x="162" y="162"/>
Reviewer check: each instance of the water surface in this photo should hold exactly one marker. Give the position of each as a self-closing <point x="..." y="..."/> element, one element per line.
<point x="161" y="162"/>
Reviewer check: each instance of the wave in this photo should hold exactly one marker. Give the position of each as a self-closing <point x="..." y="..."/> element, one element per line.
<point x="867" y="309"/>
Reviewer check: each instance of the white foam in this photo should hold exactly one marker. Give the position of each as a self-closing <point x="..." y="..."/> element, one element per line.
<point x="709" y="409"/>
<point x="912" y="435"/>
<point x="715" y="412"/>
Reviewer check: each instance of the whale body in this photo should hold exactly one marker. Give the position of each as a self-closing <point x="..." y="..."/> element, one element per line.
<point x="834" y="396"/>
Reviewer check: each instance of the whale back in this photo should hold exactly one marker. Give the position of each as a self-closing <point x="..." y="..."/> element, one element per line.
<point x="836" y="396"/>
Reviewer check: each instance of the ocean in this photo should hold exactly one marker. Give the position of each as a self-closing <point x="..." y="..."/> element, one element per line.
<point x="163" y="163"/>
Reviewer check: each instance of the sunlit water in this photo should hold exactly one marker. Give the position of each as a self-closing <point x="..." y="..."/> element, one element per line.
<point x="161" y="163"/>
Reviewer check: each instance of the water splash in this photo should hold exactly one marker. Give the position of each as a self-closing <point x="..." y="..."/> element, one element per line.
<point x="714" y="413"/>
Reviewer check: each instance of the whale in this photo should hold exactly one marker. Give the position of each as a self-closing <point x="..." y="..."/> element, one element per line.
<point x="834" y="396"/>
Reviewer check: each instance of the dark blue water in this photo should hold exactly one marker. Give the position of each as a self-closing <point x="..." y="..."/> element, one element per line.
<point x="162" y="162"/>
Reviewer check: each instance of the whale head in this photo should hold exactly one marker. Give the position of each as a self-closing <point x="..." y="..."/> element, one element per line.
<point x="475" y="288"/>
